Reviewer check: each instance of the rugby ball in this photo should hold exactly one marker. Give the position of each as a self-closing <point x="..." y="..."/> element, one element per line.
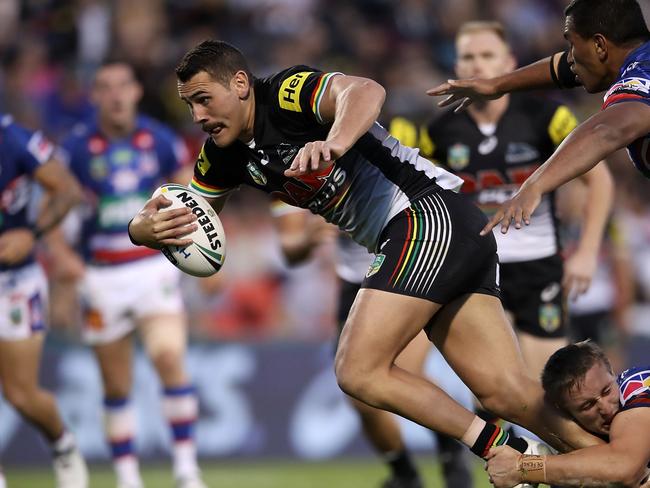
<point x="206" y="254"/>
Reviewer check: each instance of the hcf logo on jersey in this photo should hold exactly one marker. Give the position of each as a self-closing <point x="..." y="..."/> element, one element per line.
<point x="632" y="382"/>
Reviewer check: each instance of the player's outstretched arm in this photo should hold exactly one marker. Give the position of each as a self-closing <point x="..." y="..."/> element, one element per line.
<point x="352" y="104"/>
<point x="537" y="75"/>
<point x="621" y="463"/>
<point x="592" y="141"/>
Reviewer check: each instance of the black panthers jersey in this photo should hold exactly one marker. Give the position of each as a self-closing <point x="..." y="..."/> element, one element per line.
<point x="495" y="161"/>
<point x="376" y="179"/>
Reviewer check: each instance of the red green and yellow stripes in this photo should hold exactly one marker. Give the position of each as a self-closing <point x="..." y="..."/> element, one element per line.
<point x="206" y="190"/>
<point x="426" y="243"/>
<point x="317" y="94"/>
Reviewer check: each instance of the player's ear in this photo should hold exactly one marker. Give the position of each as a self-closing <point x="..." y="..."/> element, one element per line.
<point x="241" y="84"/>
<point x="600" y="46"/>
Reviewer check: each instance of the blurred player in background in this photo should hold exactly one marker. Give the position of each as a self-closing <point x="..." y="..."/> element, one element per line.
<point x="580" y="380"/>
<point x="609" y="50"/>
<point x="26" y="157"/>
<point x="120" y="158"/>
<point x="300" y="233"/>
<point x="494" y="146"/>
<point x="311" y="139"/>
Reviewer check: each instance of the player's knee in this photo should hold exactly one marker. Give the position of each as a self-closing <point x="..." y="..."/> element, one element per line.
<point x="356" y="379"/>
<point x="168" y="362"/>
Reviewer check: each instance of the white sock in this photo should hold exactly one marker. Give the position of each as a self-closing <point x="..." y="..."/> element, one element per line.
<point x="127" y="470"/>
<point x="64" y="443"/>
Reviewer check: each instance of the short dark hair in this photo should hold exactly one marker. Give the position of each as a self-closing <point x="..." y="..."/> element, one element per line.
<point x="217" y="58"/>
<point x="567" y="368"/>
<point x="620" y="21"/>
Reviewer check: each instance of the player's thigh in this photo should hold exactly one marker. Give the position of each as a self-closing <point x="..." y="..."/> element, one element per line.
<point x="536" y="350"/>
<point x="477" y="341"/>
<point x="19" y="362"/>
<point x="380" y="325"/>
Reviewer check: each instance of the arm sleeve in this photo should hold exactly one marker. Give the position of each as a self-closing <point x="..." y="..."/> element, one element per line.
<point x="563" y="77"/>
<point x="213" y="176"/>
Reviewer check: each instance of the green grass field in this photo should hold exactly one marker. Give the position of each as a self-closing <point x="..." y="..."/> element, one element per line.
<point x="366" y="473"/>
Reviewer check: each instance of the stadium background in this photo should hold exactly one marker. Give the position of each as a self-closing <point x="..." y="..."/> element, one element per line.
<point x="262" y="332"/>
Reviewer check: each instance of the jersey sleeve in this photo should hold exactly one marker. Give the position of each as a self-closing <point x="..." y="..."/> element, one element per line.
<point x="32" y="149"/>
<point x="634" y="388"/>
<point x="213" y="175"/>
<point x="561" y="123"/>
<point x="300" y="92"/>
<point x="633" y="87"/>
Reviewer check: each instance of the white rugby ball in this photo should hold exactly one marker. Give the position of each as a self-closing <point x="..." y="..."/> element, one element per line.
<point x="206" y="254"/>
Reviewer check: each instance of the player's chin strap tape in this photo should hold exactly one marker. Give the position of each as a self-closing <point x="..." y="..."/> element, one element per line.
<point x="564" y="77"/>
<point x="128" y="230"/>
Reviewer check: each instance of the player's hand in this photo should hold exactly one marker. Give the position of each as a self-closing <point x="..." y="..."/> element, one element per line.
<point x="466" y="91"/>
<point x="503" y="466"/>
<point x="154" y="228"/>
<point x="579" y="270"/>
<point x="16" y="245"/>
<point x="518" y="210"/>
<point x="313" y="157"/>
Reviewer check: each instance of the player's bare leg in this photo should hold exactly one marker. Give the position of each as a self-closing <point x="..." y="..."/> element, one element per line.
<point x="381" y="324"/>
<point x="19" y="364"/>
<point x="382" y="429"/>
<point x="473" y="334"/>
<point x="116" y="366"/>
<point x="165" y="340"/>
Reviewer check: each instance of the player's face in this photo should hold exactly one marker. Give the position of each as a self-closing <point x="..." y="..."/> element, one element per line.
<point x="482" y="54"/>
<point x="594" y="402"/>
<point x="584" y="60"/>
<point x="116" y="93"/>
<point x="219" y="110"/>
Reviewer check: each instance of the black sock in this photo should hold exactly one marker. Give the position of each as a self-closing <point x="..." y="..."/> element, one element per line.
<point x="401" y="464"/>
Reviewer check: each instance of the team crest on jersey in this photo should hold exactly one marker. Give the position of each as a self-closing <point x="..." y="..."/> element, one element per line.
<point x="256" y="174"/>
<point x="549" y="317"/>
<point x="376" y="264"/>
<point x="458" y="156"/>
<point x="632" y="382"/>
<point x="629" y="85"/>
<point x="98" y="168"/>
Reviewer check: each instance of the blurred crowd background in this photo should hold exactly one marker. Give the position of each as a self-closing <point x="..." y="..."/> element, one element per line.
<point x="49" y="50"/>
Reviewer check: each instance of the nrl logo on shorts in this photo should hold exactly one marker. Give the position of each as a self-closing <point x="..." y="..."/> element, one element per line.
<point x="256" y="174"/>
<point x="458" y="156"/>
<point x="376" y="264"/>
<point x="549" y="317"/>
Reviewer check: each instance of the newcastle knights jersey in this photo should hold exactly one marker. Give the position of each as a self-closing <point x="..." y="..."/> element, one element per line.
<point x="495" y="160"/>
<point x="119" y="176"/>
<point x="634" y="388"/>
<point x="22" y="152"/>
<point x="633" y="85"/>
<point x="376" y="179"/>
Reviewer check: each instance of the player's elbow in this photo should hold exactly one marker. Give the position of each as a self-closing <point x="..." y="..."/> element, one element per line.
<point x="612" y="136"/>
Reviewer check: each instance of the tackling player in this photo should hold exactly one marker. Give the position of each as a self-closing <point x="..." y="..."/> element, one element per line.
<point x="609" y="50"/>
<point x="26" y="157"/>
<point x="120" y="158"/>
<point x="311" y="139"/>
<point x="579" y="379"/>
